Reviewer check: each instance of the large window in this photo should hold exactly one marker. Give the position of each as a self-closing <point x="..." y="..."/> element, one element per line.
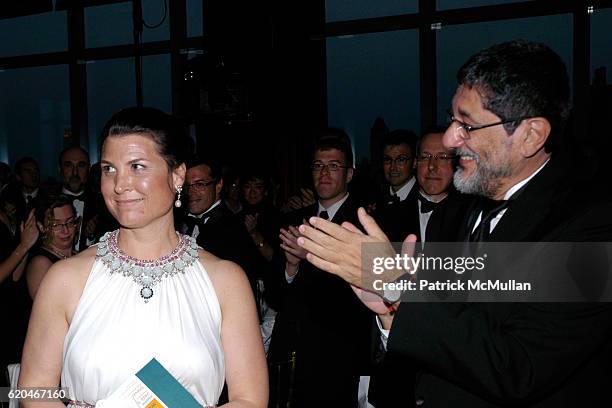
<point x="455" y="4"/>
<point x="601" y="42"/>
<point x="373" y="76"/>
<point x="339" y="10"/>
<point x="108" y="25"/>
<point x="156" y="16"/>
<point x="457" y="43"/>
<point x="34" y="115"/>
<point x="156" y="83"/>
<point x="194" y="18"/>
<point x="33" y="34"/>
<point x="110" y="88"/>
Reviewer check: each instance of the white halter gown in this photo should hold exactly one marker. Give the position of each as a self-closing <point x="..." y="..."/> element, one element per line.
<point x="114" y="333"/>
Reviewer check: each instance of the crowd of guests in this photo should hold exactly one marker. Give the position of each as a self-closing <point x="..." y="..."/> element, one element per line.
<point x="234" y="215"/>
<point x="320" y="338"/>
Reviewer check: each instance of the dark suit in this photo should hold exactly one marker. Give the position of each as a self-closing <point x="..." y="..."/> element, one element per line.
<point x="518" y="354"/>
<point x="13" y="194"/>
<point x="225" y="236"/>
<point x="401" y="219"/>
<point x="390" y="373"/>
<point x="326" y="325"/>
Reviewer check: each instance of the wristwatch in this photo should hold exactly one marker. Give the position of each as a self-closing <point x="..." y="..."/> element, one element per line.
<point x="391" y="296"/>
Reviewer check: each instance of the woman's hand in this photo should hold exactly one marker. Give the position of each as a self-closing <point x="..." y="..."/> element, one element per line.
<point x="29" y="232"/>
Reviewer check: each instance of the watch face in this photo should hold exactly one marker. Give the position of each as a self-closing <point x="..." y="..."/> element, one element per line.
<point x="392" y="296"/>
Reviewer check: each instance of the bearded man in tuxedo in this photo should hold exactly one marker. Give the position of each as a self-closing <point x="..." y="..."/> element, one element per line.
<point x="507" y="119"/>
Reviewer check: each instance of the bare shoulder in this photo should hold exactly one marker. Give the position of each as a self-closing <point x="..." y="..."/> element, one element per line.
<point x="68" y="277"/>
<point x="39" y="261"/>
<point x="75" y="268"/>
<point x="227" y="277"/>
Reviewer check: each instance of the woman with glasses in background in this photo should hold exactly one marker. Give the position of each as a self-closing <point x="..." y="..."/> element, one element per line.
<point x="58" y="223"/>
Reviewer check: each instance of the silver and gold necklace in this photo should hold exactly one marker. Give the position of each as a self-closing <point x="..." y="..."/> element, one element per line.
<point x="146" y="272"/>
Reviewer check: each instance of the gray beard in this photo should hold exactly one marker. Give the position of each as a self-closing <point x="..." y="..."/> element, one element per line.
<point x="485" y="181"/>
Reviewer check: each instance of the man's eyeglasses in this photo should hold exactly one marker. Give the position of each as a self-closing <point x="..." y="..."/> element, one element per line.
<point x="398" y="161"/>
<point x="69" y="224"/>
<point x="199" y="185"/>
<point x="463" y="130"/>
<point x="426" y="157"/>
<point x="318" y="167"/>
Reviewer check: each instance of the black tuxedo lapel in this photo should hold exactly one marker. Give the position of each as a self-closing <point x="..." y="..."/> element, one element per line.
<point x="449" y="222"/>
<point x="399" y="220"/>
<point x="529" y="216"/>
<point x="215" y="215"/>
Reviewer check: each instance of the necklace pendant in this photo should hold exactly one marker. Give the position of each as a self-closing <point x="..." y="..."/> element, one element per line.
<point x="146" y="293"/>
<point x="146" y="273"/>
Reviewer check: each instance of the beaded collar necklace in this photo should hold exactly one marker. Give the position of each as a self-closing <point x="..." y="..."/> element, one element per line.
<point x="52" y="250"/>
<point x="146" y="272"/>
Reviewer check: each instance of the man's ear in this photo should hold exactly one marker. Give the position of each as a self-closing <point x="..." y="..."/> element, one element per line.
<point x="537" y="132"/>
<point x="349" y="174"/>
<point x="218" y="188"/>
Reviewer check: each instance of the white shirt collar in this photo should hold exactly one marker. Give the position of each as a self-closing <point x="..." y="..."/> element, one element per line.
<point x="207" y="211"/>
<point x="67" y="192"/>
<point x="33" y="194"/>
<point x="403" y="192"/>
<point x="430" y="198"/>
<point x="333" y="209"/>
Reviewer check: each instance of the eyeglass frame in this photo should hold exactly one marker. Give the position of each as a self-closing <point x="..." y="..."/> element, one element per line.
<point x="443" y="156"/>
<point x="74" y="223"/>
<point x="395" y="161"/>
<point x="199" y="185"/>
<point x="331" y="167"/>
<point x="472" y="128"/>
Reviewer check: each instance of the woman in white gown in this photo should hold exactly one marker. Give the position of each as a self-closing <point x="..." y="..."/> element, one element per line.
<point x="144" y="291"/>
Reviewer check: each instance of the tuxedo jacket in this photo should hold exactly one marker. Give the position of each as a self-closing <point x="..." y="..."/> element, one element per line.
<point x="12" y="193"/>
<point x="391" y="371"/>
<point x="326" y="325"/>
<point x="225" y="236"/>
<point x="399" y="220"/>
<point x="517" y="354"/>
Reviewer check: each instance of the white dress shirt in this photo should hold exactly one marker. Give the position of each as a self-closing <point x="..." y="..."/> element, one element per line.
<point x="403" y="192"/>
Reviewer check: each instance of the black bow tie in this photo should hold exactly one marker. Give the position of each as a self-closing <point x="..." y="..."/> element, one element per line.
<point x="393" y="199"/>
<point x="191" y="222"/>
<point x="426" y="205"/>
<point x="489" y="210"/>
<point x="73" y="197"/>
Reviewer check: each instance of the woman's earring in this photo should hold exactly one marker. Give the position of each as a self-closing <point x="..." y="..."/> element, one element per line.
<point x="178" y="203"/>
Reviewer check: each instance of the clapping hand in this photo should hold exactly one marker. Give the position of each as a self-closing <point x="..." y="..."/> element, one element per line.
<point x="338" y="249"/>
<point x="29" y="231"/>
<point x="293" y="252"/>
<point x="250" y="222"/>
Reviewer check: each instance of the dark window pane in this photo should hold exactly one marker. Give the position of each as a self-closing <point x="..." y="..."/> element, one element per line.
<point x="455" y="4"/>
<point x="601" y="42"/>
<point x="34" y="114"/>
<point x="156" y="84"/>
<point x="457" y="43"/>
<point x="33" y="34"/>
<point x="108" y="25"/>
<point x="155" y="12"/>
<point x="373" y="76"/>
<point x="339" y="10"/>
<point x="194" y="18"/>
<point x="110" y="88"/>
